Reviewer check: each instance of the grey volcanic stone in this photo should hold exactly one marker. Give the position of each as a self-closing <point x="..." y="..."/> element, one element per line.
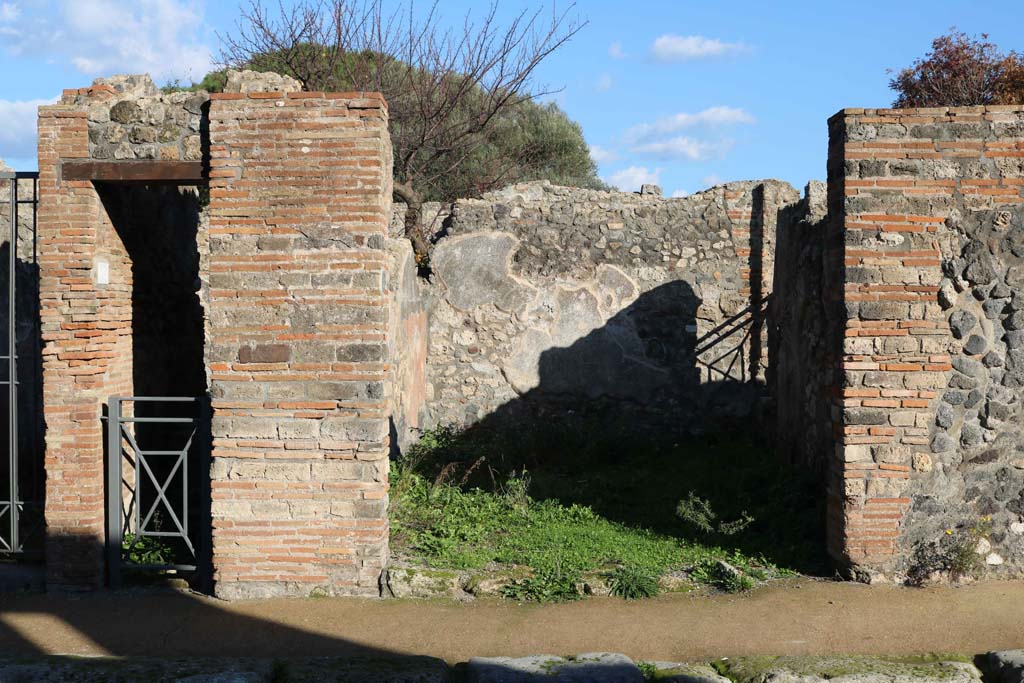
<point x="969" y="367"/>
<point x="941" y="443"/>
<point x="975" y="345"/>
<point x="971" y="435"/>
<point x="993" y="308"/>
<point x="126" y="111"/>
<point x="992" y="360"/>
<point x="973" y="399"/>
<point x="597" y="667"/>
<point x="944" y="416"/>
<point x="961" y="323"/>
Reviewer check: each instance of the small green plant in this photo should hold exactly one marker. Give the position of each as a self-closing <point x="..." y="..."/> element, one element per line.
<point x="549" y="584"/>
<point x="516" y="491"/>
<point x="146" y="550"/>
<point x="954" y="553"/>
<point x="697" y="512"/>
<point x="722" y="576"/>
<point x="631" y="583"/>
<point x="648" y="670"/>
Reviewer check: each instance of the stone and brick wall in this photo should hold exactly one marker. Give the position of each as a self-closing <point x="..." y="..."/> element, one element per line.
<point x="129" y="118"/>
<point x="300" y="192"/>
<point x="553" y="298"/>
<point x="928" y="204"/>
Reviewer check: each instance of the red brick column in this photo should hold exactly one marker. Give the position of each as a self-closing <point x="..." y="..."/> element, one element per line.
<point x="300" y="199"/>
<point x="87" y="352"/>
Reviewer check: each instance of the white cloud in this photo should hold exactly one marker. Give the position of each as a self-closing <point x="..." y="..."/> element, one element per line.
<point x="615" y="51"/>
<point x="711" y="180"/>
<point x="679" y="193"/>
<point x="602" y="155"/>
<point x="685" y="147"/>
<point x="713" y="116"/>
<point x="630" y="179"/>
<point x="9" y="11"/>
<point x="104" y="37"/>
<point x="604" y="83"/>
<point x="18" y="132"/>
<point x="672" y="48"/>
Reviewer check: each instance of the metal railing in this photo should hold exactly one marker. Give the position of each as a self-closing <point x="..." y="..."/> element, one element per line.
<point x="14" y="505"/>
<point x="130" y="509"/>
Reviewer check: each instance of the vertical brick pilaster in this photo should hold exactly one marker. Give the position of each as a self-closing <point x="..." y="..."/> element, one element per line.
<point x="896" y="180"/>
<point x="300" y="198"/>
<point x="86" y="331"/>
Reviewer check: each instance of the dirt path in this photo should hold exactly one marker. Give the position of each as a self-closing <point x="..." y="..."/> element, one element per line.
<point x="800" y="617"/>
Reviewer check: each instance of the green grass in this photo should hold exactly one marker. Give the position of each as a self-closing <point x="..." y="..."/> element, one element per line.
<point x="462" y="500"/>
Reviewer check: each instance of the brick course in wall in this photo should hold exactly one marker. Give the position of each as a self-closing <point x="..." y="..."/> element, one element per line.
<point x="300" y="192"/>
<point x="927" y="206"/>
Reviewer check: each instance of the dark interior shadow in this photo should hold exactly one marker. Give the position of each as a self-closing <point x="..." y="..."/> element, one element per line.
<point x="28" y="354"/>
<point x="158" y="226"/>
<point x="637" y="415"/>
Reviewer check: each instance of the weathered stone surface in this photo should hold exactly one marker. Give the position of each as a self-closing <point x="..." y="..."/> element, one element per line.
<point x="476" y="270"/>
<point x="849" y="669"/>
<point x="577" y="300"/>
<point x="596" y="667"/>
<point x="676" y="672"/>
<point x="247" y="81"/>
<point x="130" y="118"/>
<point x="409" y="582"/>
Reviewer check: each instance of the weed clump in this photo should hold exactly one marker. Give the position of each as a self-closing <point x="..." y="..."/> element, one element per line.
<point x="631" y="583"/>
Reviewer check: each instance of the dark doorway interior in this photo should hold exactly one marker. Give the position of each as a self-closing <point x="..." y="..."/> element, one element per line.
<point x="159" y="226"/>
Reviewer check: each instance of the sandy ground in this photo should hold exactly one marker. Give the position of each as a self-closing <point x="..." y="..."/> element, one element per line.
<point x="795" y="617"/>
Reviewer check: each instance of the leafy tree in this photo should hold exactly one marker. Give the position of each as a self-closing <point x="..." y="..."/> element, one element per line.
<point x="961" y="71"/>
<point x="463" y="112"/>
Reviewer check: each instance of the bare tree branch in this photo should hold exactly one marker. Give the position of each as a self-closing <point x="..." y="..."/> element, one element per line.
<point x="446" y="86"/>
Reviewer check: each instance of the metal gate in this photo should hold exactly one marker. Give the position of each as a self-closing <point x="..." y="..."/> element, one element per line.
<point x="21" y="475"/>
<point x="157" y="455"/>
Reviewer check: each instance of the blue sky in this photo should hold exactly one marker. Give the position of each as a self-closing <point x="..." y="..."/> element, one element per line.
<point x="682" y="93"/>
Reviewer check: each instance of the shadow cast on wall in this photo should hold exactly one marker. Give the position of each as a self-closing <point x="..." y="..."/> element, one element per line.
<point x="608" y="424"/>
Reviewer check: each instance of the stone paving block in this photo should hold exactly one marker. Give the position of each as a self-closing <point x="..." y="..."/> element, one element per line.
<point x="595" y="667"/>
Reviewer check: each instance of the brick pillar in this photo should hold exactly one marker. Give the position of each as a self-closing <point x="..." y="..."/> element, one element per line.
<point x="87" y="354"/>
<point x="300" y="198"/>
<point x="900" y="181"/>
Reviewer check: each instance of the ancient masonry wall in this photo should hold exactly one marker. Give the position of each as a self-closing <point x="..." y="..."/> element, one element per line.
<point x="300" y="195"/>
<point x="87" y="356"/>
<point x="929" y="204"/>
<point x="803" y="318"/>
<point x="558" y="299"/>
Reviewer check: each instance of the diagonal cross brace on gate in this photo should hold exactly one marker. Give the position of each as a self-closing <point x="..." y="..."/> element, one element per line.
<point x="138" y="513"/>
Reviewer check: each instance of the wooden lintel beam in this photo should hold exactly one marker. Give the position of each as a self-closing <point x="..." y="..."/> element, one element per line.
<point x="176" y="172"/>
